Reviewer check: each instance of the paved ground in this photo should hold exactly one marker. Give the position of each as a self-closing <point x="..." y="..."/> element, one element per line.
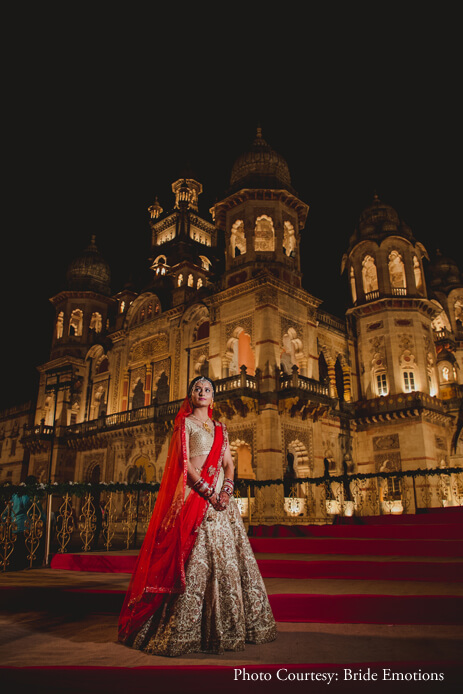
<point x="36" y="637"/>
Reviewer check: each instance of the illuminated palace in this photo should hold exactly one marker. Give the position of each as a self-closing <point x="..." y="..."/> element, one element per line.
<point x="298" y="388"/>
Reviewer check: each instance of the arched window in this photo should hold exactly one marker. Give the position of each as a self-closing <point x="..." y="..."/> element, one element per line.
<point x="417" y="273"/>
<point x="190" y="280"/>
<point x="353" y="288"/>
<point x="379" y="373"/>
<point x="289" y="239"/>
<point x="397" y="273"/>
<point x="103" y="366"/>
<point x="292" y="348"/>
<point x="180" y="280"/>
<point x="407" y="362"/>
<point x="239" y="353"/>
<point x="138" y="399"/>
<point x="458" y="312"/>
<point x="202" y="332"/>
<point x="59" y="325"/>
<point x="122" y="307"/>
<point x="264" y="234"/>
<point x="237" y="239"/>
<point x="205" y="262"/>
<point x="199" y="283"/>
<point x="369" y="275"/>
<point x="339" y="377"/>
<point x="75" y="322"/>
<point x="96" y="322"/>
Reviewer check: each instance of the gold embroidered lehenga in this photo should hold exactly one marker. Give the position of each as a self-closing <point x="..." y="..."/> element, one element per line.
<point x="224" y="602"/>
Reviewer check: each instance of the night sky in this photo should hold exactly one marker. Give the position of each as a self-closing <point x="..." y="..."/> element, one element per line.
<point x="91" y="142"/>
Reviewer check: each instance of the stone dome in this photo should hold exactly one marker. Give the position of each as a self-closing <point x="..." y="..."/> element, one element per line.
<point x="89" y="271"/>
<point x="260" y="167"/>
<point x="379" y="220"/>
<point x="444" y="272"/>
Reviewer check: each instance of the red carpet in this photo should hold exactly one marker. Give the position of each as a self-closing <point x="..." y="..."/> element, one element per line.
<point x="279" y="568"/>
<point x="363" y="570"/>
<point x="290" y="607"/>
<point x="368" y="609"/>
<point x="355" y="546"/>
<point x="382" y="677"/>
<point x="405" y="531"/>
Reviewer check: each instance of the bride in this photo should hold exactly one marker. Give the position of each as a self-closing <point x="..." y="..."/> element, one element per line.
<point x="196" y="584"/>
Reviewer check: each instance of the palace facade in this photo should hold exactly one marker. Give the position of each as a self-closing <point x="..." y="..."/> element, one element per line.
<point x="298" y="388"/>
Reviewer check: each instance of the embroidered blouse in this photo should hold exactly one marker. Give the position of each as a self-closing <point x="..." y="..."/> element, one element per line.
<point x="200" y="439"/>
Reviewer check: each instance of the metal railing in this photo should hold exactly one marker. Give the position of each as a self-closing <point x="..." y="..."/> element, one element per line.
<point x="115" y="516"/>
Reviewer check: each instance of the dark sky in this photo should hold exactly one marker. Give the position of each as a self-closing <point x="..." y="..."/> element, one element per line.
<point x="91" y="140"/>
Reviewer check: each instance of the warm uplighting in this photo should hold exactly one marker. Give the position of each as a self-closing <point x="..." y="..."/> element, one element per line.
<point x="294" y="506"/>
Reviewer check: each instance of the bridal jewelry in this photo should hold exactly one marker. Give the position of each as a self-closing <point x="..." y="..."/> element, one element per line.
<point x="205" y="423"/>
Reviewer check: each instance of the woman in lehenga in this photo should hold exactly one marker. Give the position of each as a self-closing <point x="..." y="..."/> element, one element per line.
<point x="196" y="585"/>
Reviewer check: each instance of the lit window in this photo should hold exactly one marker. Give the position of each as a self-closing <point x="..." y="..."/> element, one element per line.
<point x="180" y="280"/>
<point x="381" y="383"/>
<point x="409" y="381"/>
<point x="190" y="280"/>
<point x="122" y="307"/>
<point x="75" y="323"/>
<point x="199" y="283"/>
<point x="59" y="325"/>
<point x="96" y="322"/>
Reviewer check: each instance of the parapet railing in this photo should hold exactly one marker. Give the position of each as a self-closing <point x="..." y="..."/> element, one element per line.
<point x="87" y="517"/>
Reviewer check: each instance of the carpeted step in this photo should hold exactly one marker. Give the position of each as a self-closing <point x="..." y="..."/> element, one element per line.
<point x="294" y="607"/>
<point x="424" y="531"/>
<point x="288" y="568"/>
<point x="356" y="546"/>
<point x="363" y="570"/>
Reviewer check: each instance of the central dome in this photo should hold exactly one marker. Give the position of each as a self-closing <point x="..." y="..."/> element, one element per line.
<point x="260" y="167"/>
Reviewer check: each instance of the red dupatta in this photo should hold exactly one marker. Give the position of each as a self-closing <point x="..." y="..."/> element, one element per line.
<point x="172" y="530"/>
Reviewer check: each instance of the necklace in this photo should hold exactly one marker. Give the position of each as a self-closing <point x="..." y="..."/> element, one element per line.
<point x="204" y="423"/>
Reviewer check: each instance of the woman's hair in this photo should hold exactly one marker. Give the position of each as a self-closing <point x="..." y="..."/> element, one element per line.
<point x="200" y="378"/>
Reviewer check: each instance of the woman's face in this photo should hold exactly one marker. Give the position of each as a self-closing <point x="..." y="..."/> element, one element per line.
<point x="202" y="394"/>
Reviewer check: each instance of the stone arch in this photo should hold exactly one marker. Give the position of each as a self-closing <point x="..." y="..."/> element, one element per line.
<point x="458" y="313"/>
<point x="289" y="239"/>
<point x="237" y="239"/>
<point x="379" y="377"/>
<point x="143" y="308"/>
<point x="93" y="472"/>
<point x="417" y="273"/>
<point x="239" y="353"/>
<point x="59" y="325"/>
<point x="264" y="234"/>
<point x="242" y="457"/>
<point x="76" y="322"/>
<point x="201" y="367"/>
<point x="396" y="269"/>
<point x="303" y="466"/>
<point x="96" y="322"/>
<point x="141" y="470"/>
<point x="291" y="351"/>
<point x="441" y="321"/>
<point x="369" y="275"/>
<point x="353" y="287"/>
<point x="407" y="363"/>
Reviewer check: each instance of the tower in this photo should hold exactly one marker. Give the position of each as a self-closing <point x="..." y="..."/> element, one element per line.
<point x="401" y="422"/>
<point x="183" y="247"/>
<point x="391" y="310"/>
<point x="261" y="217"/>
